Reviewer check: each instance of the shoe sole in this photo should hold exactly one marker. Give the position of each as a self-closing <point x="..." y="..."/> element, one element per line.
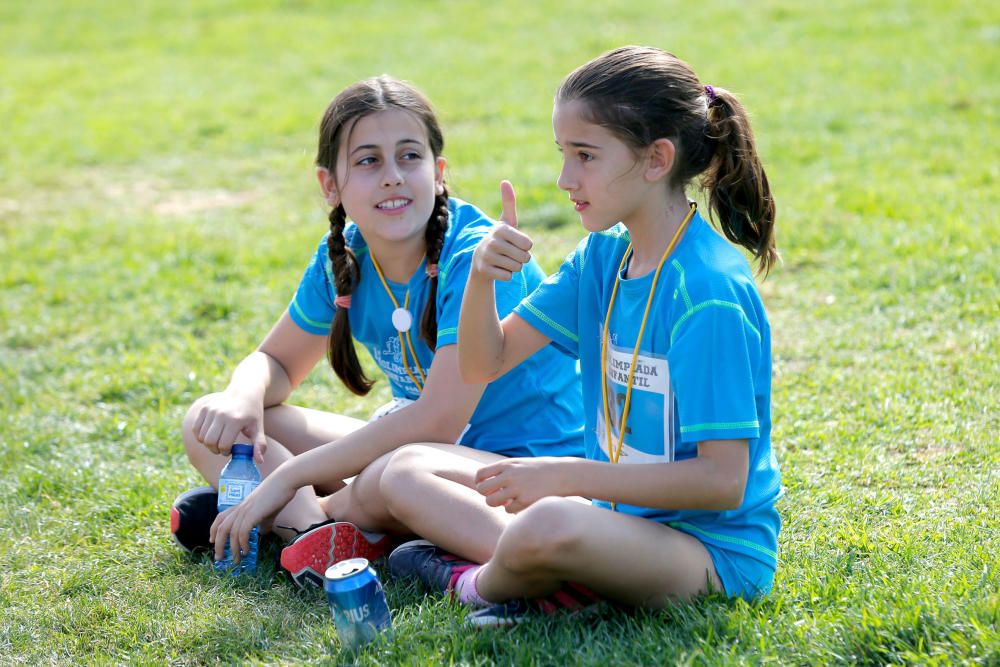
<point x="480" y="622"/>
<point x="309" y="556"/>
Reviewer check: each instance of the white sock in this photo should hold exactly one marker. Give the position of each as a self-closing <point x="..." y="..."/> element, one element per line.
<point x="466" y="589"/>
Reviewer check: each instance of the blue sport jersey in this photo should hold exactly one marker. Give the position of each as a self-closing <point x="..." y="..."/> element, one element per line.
<point x="703" y="370"/>
<point x="536" y="410"/>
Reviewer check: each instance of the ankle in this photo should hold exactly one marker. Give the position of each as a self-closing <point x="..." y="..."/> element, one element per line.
<point x="466" y="590"/>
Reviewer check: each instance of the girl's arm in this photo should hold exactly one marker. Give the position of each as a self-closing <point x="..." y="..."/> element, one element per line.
<point x="714" y="480"/>
<point x="487" y="347"/>
<point x="266" y="377"/>
<point x="439" y="415"/>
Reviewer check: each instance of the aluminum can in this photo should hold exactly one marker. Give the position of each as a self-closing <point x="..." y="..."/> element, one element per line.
<point x="357" y="602"/>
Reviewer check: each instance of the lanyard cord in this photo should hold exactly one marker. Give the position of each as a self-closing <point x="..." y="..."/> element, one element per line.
<point x="615" y="455"/>
<point x="404" y="336"/>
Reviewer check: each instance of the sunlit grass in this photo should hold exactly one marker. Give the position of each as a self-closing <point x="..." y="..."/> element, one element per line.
<point x="157" y="207"/>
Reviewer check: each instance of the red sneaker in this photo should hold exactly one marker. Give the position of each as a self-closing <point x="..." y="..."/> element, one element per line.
<point x="309" y="555"/>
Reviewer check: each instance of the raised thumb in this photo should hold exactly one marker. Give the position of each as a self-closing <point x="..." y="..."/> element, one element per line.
<point x="508" y="214"/>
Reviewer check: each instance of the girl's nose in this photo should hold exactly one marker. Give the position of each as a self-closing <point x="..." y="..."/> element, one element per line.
<point x="564" y="182"/>
<point x="391" y="175"/>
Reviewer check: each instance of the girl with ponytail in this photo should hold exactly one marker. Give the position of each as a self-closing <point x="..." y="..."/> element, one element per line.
<point x="388" y="276"/>
<point x="675" y="354"/>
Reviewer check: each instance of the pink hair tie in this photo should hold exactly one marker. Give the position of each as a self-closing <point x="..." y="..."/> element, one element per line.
<point x="432" y="270"/>
<point x="342" y="301"/>
<point x="710" y="94"/>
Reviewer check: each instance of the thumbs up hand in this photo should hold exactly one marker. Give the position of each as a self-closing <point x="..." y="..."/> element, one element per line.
<point x="508" y="203"/>
<point x="505" y="249"/>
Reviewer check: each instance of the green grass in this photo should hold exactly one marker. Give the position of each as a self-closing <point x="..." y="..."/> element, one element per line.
<point x="157" y="206"/>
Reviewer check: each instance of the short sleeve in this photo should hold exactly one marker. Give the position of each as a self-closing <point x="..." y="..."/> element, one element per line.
<point x="312" y="306"/>
<point x="713" y="359"/>
<point x="451" y="288"/>
<point x="553" y="307"/>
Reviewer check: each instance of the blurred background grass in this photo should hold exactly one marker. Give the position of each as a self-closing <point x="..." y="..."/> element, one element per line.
<point x="158" y="204"/>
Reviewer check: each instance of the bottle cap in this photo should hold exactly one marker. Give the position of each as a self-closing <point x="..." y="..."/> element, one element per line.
<point x="242" y="449"/>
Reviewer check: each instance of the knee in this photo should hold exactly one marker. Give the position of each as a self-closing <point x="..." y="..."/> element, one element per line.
<point x="541" y="536"/>
<point x="191" y="443"/>
<point x="401" y="477"/>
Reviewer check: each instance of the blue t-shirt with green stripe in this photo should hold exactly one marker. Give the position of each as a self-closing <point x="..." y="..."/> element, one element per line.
<point x="536" y="410"/>
<point x="703" y="370"/>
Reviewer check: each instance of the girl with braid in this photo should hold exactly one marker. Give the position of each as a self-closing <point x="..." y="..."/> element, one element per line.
<point x="389" y="275"/>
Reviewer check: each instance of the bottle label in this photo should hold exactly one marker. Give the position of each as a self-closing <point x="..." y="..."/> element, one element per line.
<point x="231" y="491"/>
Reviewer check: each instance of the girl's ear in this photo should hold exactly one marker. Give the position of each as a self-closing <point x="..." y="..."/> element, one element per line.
<point x="439" y="164"/>
<point x="328" y="185"/>
<point x="661" y="159"/>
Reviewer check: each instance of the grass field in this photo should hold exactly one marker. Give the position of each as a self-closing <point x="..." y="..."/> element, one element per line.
<point x="157" y="207"/>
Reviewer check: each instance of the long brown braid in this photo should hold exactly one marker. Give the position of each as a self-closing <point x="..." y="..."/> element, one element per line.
<point x="346" y="276"/>
<point x="437" y="225"/>
<point x="354" y="103"/>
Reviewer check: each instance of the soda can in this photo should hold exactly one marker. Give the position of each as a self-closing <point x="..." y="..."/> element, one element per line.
<point x="357" y="602"/>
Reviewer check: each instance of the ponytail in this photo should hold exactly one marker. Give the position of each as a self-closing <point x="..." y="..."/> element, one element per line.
<point x="735" y="181"/>
<point x="643" y="93"/>
<point x="346" y="274"/>
<point x="437" y="225"/>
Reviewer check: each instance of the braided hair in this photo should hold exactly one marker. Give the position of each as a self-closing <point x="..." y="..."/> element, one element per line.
<point x="434" y="237"/>
<point x="357" y="101"/>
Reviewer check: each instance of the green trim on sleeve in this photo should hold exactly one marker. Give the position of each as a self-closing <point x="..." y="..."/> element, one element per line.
<point x="708" y="304"/>
<point x="552" y="323"/>
<point x="720" y="426"/>
<point x="328" y="269"/>
<point x="691" y="528"/>
<point x="447" y="332"/>
<point x="311" y="322"/>
<point x="443" y="271"/>
<point x="682" y="287"/>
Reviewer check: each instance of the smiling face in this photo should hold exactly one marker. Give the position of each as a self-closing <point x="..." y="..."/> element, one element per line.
<point x="386" y="178"/>
<point x="604" y="177"/>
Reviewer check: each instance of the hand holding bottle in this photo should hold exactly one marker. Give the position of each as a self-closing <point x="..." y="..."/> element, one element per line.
<point x="229" y="417"/>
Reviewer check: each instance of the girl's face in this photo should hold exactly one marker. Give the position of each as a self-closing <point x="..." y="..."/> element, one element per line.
<point x="386" y="177"/>
<point x="602" y="174"/>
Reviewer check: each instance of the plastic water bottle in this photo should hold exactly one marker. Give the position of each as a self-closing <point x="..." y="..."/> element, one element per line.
<point x="236" y="481"/>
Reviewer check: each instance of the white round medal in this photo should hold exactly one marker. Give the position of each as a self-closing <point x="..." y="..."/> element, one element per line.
<point x="402" y="320"/>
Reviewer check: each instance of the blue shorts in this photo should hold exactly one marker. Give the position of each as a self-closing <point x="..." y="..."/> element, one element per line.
<point x="742" y="576"/>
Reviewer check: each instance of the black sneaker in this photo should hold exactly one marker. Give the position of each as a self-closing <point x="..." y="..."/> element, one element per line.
<point x="574" y="599"/>
<point x="191" y="517"/>
<point x="435" y="567"/>
<point x="499" y="615"/>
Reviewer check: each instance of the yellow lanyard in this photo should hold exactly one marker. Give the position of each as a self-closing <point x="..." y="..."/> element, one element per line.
<point x="615" y="454"/>
<point x="404" y="335"/>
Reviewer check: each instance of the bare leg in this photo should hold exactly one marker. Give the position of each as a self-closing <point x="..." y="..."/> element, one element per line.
<point x="624" y="558"/>
<point x="292" y="430"/>
<point x="428" y="490"/>
<point x="302" y="429"/>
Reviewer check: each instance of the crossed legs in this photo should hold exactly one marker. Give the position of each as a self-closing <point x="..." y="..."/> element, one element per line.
<point x="624" y="558"/>
<point x="291" y="430"/>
